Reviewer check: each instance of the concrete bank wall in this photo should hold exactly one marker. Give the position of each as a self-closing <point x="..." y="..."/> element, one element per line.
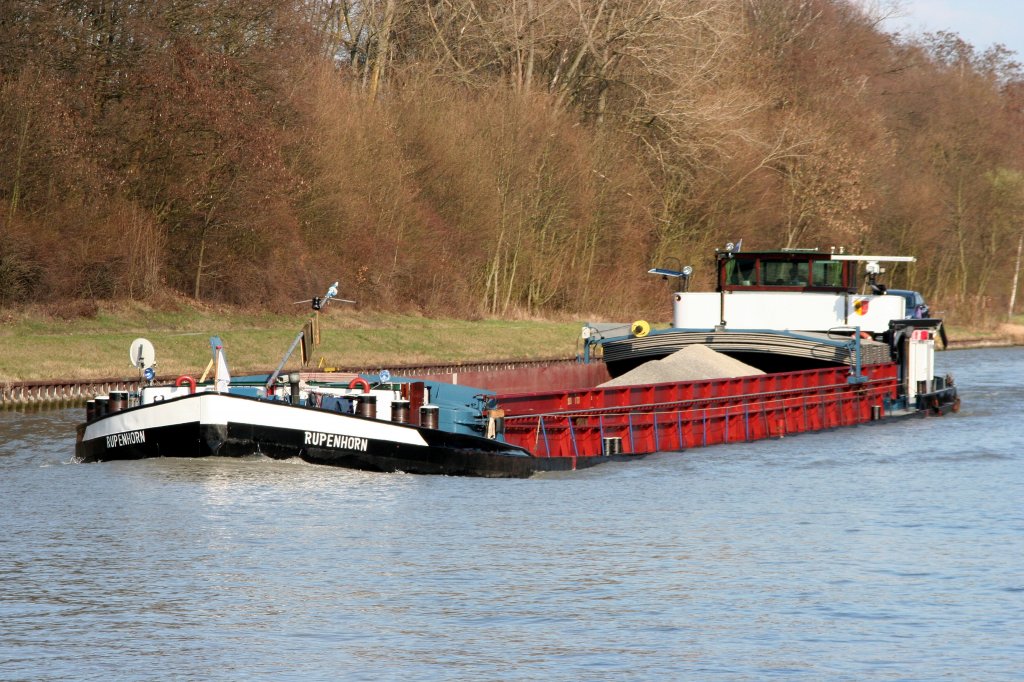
<point x="26" y="394"/>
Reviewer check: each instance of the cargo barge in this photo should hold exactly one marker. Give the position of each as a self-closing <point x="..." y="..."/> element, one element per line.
<point x="818" y="355"/>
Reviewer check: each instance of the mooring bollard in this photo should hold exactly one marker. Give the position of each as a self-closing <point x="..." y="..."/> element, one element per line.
<point x="429" y="415"/>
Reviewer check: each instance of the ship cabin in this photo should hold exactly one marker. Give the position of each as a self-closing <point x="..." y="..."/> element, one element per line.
<point x="786" y="270"/>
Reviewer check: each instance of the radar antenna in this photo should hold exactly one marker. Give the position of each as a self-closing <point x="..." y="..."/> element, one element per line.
<point x="310" y="330"/>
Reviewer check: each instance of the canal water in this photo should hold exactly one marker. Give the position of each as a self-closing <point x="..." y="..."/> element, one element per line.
<point x="892" y="551"/>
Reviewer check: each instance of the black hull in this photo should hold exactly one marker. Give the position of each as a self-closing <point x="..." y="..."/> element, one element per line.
<point x="447" y="454"/>
<point x="451" y="462"/>
<point x="178" y="428"/>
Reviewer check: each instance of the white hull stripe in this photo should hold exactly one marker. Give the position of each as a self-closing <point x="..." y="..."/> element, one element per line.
<point x="169" y="413"/>
<point x="213" y="409"/>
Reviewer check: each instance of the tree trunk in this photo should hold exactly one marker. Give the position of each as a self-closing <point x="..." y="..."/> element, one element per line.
<point x="1016" y="276"/>
<point x="383" y="47"/>
<point x="199" y="266"/>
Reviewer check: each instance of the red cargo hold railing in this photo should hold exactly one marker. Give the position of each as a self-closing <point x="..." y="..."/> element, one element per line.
<point x="676" y="416"/>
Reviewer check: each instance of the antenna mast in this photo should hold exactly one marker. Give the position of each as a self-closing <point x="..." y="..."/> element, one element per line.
<point x="318" y="303"/>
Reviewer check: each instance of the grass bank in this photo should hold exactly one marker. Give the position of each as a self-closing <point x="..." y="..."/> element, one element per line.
<point x="37" y="347"/>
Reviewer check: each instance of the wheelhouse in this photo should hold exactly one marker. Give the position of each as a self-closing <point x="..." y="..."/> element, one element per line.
<point x="788" y="270"/>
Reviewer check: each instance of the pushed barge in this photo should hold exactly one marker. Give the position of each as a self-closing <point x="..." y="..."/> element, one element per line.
<point x="828" y="357"/>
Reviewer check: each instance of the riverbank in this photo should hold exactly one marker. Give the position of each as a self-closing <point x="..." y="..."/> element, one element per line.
<point x="1002" y="335"/>
<point x="41" y="347"/>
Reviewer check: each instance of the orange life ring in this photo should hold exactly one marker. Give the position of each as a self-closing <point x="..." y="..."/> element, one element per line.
<point x="359" y="381"/>
<point x="186" y="379"/>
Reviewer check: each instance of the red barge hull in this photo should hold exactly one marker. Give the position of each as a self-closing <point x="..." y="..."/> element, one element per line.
<point x="582" y="422"/>
<point x="679" y="416"/>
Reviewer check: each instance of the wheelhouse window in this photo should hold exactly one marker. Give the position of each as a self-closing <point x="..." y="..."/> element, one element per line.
<point x="828" y="273"/>
<point x="741" y="272"/>
<point x="785" y="273"/>
<point x="781" y="270"/>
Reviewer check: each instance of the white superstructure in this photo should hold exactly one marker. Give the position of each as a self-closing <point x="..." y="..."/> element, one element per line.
<point x="784" y="310"/>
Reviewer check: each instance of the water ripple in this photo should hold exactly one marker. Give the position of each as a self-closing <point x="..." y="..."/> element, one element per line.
<point x="882" y="552"/>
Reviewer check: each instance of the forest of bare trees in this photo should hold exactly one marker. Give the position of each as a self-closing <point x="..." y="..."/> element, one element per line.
<point x="492" y="157"/>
